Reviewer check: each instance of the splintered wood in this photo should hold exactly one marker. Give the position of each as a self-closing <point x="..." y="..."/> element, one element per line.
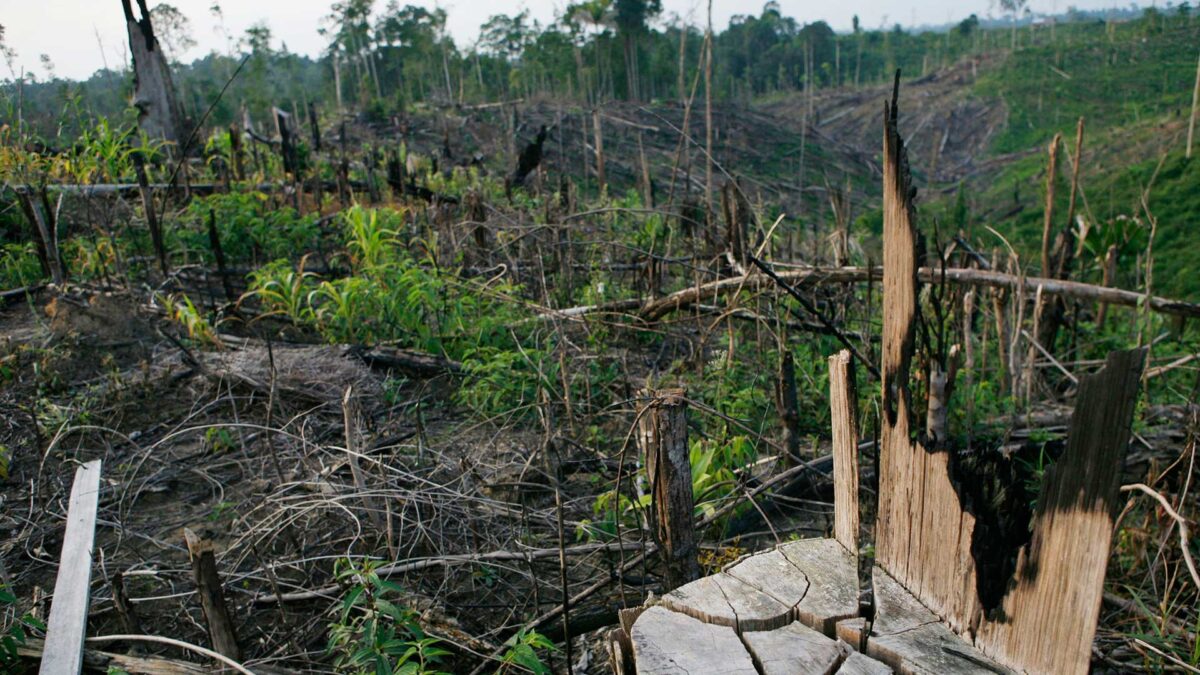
<point x="795" y="609"/>
<point x="843" y="399"/>
<point x="1054" y="602"/>
<point x="924" y="534"/>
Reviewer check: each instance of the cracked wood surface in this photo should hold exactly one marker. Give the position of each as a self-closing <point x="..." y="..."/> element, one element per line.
<point x="783" y="604"/>
<point x="794" y="649"/>
<point x="911" y="639"/>
<point x="858" y="664"/>
<point x="832" y="574"/>
<point x="670" y="643"/>
<point x="724" y="600"/>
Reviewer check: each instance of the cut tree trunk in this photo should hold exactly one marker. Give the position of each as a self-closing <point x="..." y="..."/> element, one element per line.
<point x="663" y="439"/>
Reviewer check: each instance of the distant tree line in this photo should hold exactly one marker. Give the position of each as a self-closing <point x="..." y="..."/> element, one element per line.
<point x="381" y="61"/>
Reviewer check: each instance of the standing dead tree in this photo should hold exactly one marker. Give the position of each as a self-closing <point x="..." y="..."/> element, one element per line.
<point x="159" y="112"/>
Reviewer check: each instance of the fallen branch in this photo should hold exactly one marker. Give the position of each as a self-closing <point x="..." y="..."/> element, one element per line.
<point x="1184" y="542"/>
<point x="135" y="665"/>
<point x="174" y="643"/>
<point x="813" y="276"/>
<point x="425" y="563"/>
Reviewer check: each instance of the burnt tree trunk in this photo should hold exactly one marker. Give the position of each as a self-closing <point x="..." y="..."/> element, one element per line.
<point x="159" y="112"/>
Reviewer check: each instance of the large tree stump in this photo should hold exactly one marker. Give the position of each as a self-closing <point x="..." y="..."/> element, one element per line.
<point x="1034" y="607"/>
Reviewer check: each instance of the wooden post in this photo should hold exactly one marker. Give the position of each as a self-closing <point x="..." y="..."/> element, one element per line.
<point x="154" y="96"/>
<point x="125" y="610"/>
<point x="737" y="216"/>
<point x="47" y="242"/>
<point x="287" y="142"/>
<point x="65" y="631"/>
<point x="843" y="404"/>
<point x="662" y="437"/>
<point x="212" y="596"/>
<point x="156" y="237"/>
<point x="1048" y="221"/>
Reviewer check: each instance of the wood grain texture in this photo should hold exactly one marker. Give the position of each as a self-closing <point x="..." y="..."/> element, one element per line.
<point x="794" y="649"/>
<point x="663" y="439"/>
<point x="843" y="404"/>
<point x="861" y="664"/>
<point x="723" y="600"/>
<point x="670" y="643"/>
<point x="923" y="536"/>
<point x="67" y="626"/>
<point x="912" y="640"/>
<point x="1053" y="605"/>
<point x="832" y="574"/>
<point x="772" y="573"/>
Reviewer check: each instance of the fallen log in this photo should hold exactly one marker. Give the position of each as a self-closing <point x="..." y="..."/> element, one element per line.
<point x="813" y="276"/>
<point x="99" y="661"/>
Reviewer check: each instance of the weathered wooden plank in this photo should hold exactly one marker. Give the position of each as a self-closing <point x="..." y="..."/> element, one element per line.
<point x="65" y="630"/>
<point x="794" y="649"/>
<point x="861" y="664"/>
<point x="832" y="574"/>
<point x="724" y="600"/>
<point x="1054" y="602"/>
<point x="843" y="403"/>
<point x="912" y="640"/>
<point x="670" y="643"/>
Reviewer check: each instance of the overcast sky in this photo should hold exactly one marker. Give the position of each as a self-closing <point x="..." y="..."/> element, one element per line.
<point x="71" y="32"/>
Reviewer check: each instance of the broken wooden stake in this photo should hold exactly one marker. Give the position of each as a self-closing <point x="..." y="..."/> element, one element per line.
<point x="663" y="439"/>
<point x="67" y="626"/>
<point x="212" y="596"/>
<point x="843" y="403"/>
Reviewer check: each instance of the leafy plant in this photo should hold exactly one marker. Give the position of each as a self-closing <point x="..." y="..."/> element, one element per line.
<point x="522" y="650"/>
<point x="179" y="308"/>
<point x="284" y="290"/>
<point x="17" y="632"/>
<point x="19" y="266"/>
<point x="373" y="634"/>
